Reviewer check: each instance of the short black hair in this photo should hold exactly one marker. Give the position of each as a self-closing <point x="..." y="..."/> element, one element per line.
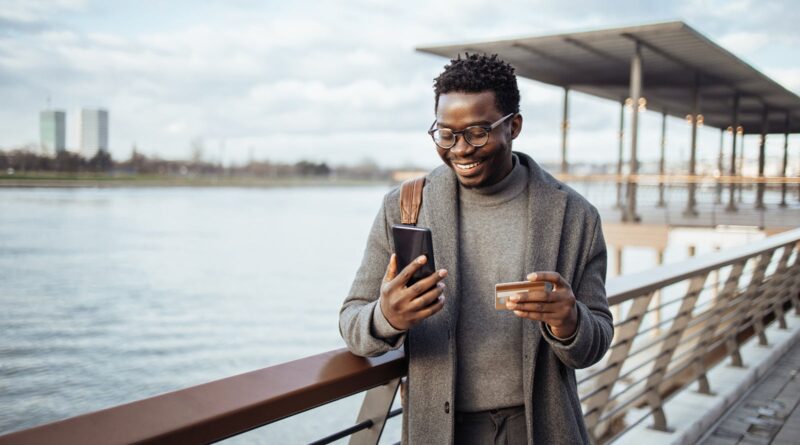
<point x="478" y="73"/>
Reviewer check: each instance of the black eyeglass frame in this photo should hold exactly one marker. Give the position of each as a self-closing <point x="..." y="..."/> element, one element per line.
<point x="487" y="128"/>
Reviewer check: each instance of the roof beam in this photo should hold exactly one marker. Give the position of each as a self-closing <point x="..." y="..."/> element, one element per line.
<point x="679" y="61"/>
<point x="546" y="55"/>
<point x="593" y="50"/>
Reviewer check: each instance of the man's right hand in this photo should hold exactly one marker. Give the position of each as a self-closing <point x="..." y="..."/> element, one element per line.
<point x="404" y="306"/>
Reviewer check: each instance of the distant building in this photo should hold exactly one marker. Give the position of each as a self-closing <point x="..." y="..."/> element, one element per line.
<point x="94" y="131"/>
<point x="52" y="131"/>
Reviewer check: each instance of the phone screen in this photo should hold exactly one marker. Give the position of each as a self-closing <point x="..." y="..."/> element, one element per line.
<point x="411" y="242"/>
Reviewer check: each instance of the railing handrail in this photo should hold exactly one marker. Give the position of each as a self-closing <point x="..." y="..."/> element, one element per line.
<point x="625" y="287"/>
<point x="223" y="408"/>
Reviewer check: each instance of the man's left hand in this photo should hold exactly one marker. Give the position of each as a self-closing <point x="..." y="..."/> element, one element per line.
<point x="556" y="308"/>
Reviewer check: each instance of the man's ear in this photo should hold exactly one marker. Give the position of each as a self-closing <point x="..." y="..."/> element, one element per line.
<point x="516" y="125"/>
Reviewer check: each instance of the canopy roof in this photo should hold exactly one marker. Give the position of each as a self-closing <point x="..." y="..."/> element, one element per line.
<point x="674" y="58"/>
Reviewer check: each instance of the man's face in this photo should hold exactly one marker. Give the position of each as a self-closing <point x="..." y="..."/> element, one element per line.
<point x="486" y="165"/>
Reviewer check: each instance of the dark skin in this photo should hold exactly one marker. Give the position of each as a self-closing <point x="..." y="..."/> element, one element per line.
<point x="405" y="306"/>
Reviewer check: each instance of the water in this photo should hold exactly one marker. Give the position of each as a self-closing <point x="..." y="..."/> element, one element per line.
<point x="113" y="295"/>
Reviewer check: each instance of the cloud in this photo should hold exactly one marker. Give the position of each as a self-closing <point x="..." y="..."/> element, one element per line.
<point x="296" y="79"/>
<point x="33" y="11"/>
<point x="744" y="43"/>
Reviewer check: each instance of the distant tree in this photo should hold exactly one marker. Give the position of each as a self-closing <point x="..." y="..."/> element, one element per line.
<point x="197" y="148"/>
<point x="68" y="162"/>
<point x="101" y="162"/>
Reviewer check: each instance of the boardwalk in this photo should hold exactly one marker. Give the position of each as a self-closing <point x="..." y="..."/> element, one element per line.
<point x="769" y="413"/>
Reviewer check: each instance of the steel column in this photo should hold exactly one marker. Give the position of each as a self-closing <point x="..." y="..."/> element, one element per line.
<point x="692" y="200"/>
<point x="785" y="159"/>
<point x="762" y="147"/>
<point x="619" y="157"/>
<point x="740" y="185"/>
<point x="734" y="127"/>
<point x="564" y="131"/>
<point x="661" y="202"/>
<point x="718" y="199"/>
<point x="629" y="214"/>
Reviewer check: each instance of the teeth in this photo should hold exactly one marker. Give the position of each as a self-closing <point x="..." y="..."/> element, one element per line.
<point x="467" y="166"/>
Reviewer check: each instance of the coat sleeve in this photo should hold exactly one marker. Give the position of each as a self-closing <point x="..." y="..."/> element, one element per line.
<point x="361" y="323"/>
<point x="595" y="327"/>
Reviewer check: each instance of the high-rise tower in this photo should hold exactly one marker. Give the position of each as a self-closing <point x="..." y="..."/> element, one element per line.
<point x="94" y="131"/>
<point x="52" y="131"/>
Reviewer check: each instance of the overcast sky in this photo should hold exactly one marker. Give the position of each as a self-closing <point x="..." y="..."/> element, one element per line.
<point x="327" y="81"/>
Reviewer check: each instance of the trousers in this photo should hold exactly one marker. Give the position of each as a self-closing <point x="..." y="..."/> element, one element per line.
<point x="505" y="426"/>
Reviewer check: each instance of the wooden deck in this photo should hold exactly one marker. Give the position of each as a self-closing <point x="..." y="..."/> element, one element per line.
<point x="769" y="413"/>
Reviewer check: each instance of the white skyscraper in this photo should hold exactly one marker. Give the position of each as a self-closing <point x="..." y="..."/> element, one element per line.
<point x="52" y="131"/>
<point x="94" y="131"/>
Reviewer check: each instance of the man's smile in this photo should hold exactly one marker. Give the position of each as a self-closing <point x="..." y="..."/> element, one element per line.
<point x="467" y="167"/>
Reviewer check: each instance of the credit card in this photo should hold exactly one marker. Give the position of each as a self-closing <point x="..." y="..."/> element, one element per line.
<point x="503" y="291"/>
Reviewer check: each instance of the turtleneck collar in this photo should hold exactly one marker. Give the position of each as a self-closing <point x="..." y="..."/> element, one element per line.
<point x="507" y="189"/>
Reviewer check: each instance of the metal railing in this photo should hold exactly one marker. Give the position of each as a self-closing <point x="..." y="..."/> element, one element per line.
<point x="658" y="349"/>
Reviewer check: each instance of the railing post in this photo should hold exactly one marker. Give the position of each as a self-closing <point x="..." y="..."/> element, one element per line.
<point x="761" y="304"/>
<point x="624" y="336"/>
<point x="376" y="406"/>
<point x="721" y="302"/>
<point x="794" y="279"/>
<point x="779" y="286"/>
<point x="668" y="348"/>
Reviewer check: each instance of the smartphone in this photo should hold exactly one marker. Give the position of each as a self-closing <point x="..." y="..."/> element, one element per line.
<point x="409" y="243"/>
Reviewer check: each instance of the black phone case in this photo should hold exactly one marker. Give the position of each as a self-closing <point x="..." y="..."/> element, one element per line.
<point x="411" y="242"/>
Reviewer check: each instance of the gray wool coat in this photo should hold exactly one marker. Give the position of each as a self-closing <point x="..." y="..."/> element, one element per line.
<point x="564" y="235"/>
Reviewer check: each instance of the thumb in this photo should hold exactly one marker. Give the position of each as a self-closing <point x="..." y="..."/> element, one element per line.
<point x="391" y="269"/>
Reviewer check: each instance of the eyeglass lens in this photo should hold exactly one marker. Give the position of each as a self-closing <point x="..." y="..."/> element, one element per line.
<point x="475" y="136"/>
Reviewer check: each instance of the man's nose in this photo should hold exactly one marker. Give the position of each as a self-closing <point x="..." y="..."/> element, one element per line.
<point x="462" y="148"/>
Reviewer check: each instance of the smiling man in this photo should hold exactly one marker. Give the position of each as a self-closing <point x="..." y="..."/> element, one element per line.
<point x="476" y="374"/>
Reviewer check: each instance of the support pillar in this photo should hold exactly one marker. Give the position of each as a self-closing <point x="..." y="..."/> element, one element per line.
<point x="732" y="173"/>
<point x="617" y="309"/>
<point x="629" y="213"/>
<point x="741" y="166"/>
<point x="661" y="172"/>
<point x="657" y="299"/>
<point x="692" y="200"/>
<point x="619" y="157"/>
<point x="564" y="132"/>
<point x="762" y="147"/>
<point x="720" y="168"/>
<point x="785" y="159"/>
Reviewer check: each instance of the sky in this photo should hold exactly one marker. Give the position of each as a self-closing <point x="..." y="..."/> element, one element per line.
<point x="337" y="82"/>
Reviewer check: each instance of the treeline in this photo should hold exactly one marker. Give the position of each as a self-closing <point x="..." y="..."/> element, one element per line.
<point x="25" y="160"/>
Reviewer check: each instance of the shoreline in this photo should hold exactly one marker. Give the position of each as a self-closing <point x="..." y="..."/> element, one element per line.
<point x="36" y="181"/>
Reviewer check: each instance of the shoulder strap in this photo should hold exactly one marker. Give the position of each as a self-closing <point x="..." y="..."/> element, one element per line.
<point x="411" y="200"/>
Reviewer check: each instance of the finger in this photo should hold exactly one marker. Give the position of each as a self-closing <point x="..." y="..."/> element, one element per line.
<point x="552" y="277"/>
<point x="391" y="269"/>
<point x="544" y="308"/>
<point x="431" y="309"/>
<point x="535" y="295"/>
<point x="402" y="278"/>
<point x="538" y="316"/>
<point x="427" y="298"/>
<point x="425" y="284"/>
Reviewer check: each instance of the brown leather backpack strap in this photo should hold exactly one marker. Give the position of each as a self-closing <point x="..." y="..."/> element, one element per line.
<point x="411" y="200"/>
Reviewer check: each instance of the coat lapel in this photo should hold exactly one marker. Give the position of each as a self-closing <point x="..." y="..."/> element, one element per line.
<point x="546" y="206"/>
<point x="442" y="216"/>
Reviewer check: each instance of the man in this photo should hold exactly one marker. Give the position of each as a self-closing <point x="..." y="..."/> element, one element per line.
<point x="475" y="374"/>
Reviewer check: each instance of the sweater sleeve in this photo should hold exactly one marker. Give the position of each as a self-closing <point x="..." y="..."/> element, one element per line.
<point x="595" y="327"/>
<point x="361" y="323"/>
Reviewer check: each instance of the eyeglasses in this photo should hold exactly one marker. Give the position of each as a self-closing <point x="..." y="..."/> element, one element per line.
<point x="475" y="135"/>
